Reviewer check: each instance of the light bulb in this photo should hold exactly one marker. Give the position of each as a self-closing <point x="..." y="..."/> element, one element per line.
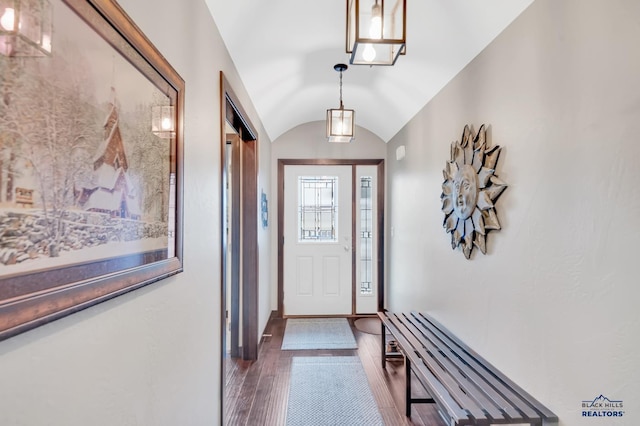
<point x="8" y="20"/>
<point x="369" y="53"/>
<point x="375" y="30"/>
<point x="166" y="123"/>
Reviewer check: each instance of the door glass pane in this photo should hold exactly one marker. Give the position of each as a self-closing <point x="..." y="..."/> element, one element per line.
<point x="366" y="235"/>
<point x="317" y="208"/>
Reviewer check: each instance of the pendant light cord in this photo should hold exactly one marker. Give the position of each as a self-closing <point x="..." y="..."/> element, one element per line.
<point x="341" y="89"/>
<point x="340" y="68"/>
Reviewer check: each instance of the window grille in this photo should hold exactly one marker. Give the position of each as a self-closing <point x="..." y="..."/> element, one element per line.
<point x="317" y="208"/>
<point x="366" y="235"/>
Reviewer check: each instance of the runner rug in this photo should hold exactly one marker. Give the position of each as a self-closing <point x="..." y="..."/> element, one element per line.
<point x="330" y="390"/>
<point x="318" y="333"/>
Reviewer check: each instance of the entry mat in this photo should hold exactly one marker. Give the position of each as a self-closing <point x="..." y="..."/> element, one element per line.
<point x="318" y="333"/>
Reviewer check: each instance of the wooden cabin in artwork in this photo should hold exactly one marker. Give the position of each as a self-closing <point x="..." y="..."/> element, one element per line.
<point x="111" y="190"/>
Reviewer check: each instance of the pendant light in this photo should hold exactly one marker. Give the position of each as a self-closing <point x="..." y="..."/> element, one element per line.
<point x="163" y="123"/>
<point x="340" y="122"/>
<point x="376" y="31"/>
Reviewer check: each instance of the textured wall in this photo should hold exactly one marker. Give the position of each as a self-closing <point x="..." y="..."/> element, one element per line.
<point x="150" y="357"/>
<point x="552" y="304"/>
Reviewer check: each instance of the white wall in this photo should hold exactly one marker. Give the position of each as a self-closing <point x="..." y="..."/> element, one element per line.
<point x="309" y="140"/>
<point x="150" y="357"/>
<point x="553" y="303"/>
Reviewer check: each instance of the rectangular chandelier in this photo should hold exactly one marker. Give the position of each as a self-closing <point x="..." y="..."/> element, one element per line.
<point x="340" y="125"/>
<point x="376" y="31"/>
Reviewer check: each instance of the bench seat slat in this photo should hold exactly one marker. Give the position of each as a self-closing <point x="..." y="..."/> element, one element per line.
<point x="469" y="382"/>
<point x="473" y="381"/>
<point x="443" y="376"/>
<point x="482" y="377"/>
<point x="435" y="389"/>
<point x="506" y="387"/>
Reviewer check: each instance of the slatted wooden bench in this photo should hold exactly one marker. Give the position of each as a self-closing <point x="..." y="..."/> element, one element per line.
<point x="466" y="389"/>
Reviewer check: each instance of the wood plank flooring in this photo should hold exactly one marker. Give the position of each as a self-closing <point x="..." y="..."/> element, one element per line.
<point x="256" y="392"/>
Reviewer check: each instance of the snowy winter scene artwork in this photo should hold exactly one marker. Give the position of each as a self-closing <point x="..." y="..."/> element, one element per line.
<point x="90" y="200"/>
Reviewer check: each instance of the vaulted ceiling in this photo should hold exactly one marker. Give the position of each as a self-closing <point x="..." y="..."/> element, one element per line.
<point x="285" y="50"/>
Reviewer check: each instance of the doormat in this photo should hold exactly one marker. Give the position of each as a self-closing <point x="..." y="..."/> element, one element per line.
<point x="318" y="333"/>
<point x="330" y="390"/>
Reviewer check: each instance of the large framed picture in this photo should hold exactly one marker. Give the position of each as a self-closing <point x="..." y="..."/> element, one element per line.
<point x="91" y="143"/>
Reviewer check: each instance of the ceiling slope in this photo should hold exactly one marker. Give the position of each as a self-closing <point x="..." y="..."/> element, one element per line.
<point x="285" y="50"/>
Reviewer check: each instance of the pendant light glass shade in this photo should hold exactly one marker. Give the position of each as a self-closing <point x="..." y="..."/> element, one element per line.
<point x="341" y="123"/>
<point x="376" y="31"/>
<point x="25" y="28"/>
<point x="163" y="123"/>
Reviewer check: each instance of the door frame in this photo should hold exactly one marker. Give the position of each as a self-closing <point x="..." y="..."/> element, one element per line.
<point x="247" y="244"/>
<point x="231" y="267"/>
<point x="379" y="225"/>
<point x="246" y="241"/>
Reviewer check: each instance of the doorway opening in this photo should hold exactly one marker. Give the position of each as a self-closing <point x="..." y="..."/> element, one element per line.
<point x="239" y="233"/>
<point x="330" y="237"/>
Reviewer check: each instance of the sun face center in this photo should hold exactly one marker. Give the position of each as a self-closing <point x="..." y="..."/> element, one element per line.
<point x="465" y="191"/>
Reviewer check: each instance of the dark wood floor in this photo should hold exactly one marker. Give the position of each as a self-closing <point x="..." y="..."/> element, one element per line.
<point x="256" y="393"/>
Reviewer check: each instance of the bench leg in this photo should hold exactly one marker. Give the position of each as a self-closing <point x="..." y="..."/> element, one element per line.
<point x="407" y="382"/>
<point x="383" y="343"/>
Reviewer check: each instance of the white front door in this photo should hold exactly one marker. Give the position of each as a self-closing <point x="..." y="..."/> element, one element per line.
<point x="318" y="249"/>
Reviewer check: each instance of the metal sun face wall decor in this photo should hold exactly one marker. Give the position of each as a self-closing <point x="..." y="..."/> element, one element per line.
<point x="469" y="191"/>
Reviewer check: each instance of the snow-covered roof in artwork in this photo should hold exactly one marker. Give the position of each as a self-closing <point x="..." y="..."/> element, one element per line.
<point x="104" y="200"/>
<point x="110" y="201"/>
<point x="127" y="181"/>
<point x="106" y="176"/>
<point x="105" y="143"/>
<point x="111" y="111"/>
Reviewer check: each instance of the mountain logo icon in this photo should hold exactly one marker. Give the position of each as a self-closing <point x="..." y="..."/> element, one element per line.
<point x="599" y="401"/>
<point x="602" y="406"/>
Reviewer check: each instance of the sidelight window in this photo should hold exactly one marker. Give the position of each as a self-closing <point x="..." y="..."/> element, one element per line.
<point x="366" y="235"/>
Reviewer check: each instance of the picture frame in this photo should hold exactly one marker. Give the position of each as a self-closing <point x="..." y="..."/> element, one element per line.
<point x="91" y="199"/>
